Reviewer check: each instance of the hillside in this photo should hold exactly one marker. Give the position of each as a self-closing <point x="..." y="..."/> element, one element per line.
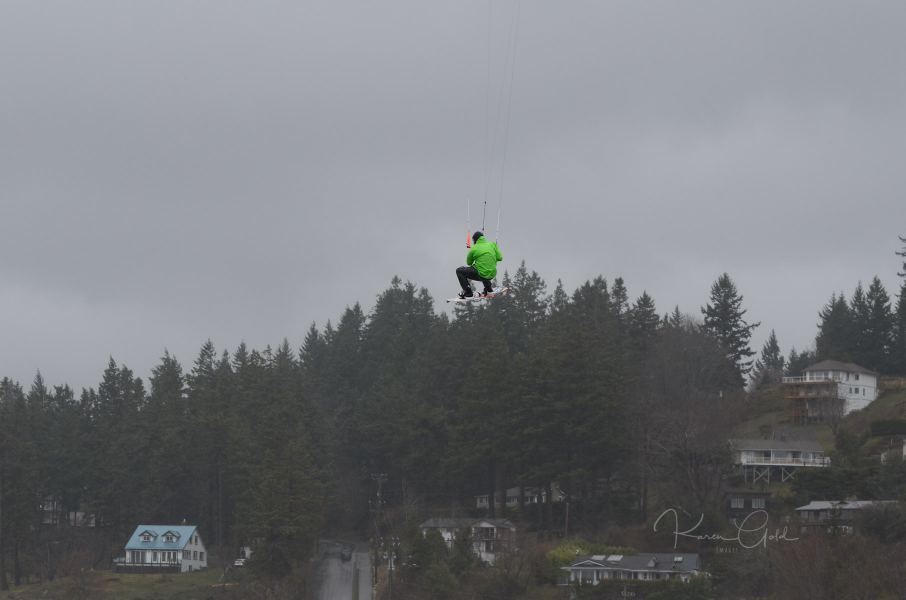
<point x="767" y="415"/>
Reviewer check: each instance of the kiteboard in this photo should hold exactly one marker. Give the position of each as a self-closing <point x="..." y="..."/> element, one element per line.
<point x="477" y="297"/>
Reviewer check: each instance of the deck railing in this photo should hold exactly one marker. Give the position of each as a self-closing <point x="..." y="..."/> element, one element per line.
<point x="811" y="380"/>
<point x="820" y="461"/>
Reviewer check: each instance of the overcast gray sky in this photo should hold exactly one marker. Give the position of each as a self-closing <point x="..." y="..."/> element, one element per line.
<point x="174" y="171"/>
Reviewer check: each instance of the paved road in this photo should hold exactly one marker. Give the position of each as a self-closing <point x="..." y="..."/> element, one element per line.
<point x="337" y="578"/>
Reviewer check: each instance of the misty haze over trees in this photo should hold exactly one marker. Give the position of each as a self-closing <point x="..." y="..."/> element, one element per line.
<point x="616" y="401"/>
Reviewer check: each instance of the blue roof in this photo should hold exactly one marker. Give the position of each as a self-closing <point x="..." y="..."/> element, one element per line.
<point x="181" y="535"/>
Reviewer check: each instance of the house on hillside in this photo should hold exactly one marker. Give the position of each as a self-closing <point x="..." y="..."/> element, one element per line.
<point x="164" y="549"/>
<point x="490" y="537"/>
<point x="53" y="513"/>
<point x="646" y="566"/>
<point x="739" y="503"/>
<point x="776" y="460"/>
<point x="835" y="516"/>
<point x="532" y="496"/>
<point x="829" y="390"/>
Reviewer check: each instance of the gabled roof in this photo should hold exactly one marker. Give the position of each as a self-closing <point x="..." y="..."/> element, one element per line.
<point x="464" y="523"/>
<point x="844" y="504"/>
<point x="645" y="561"/>
<point x="805" y="445"/>
<point x="836" y="365"/>
<point x="181" y="533"/>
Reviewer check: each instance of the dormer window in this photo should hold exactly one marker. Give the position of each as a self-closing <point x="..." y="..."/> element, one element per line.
<point x="146" y="537"/>
<point x="168" y="537"/>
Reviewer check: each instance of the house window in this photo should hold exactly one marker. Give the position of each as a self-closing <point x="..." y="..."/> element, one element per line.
<point x="201" y="556"/>
<point x="195" y="555"/>
<point x="146" y="538"/>
<point x="863" y="391"/>
<point x="154" y="557"/>
<point x="857" y="377"/>
<point x="737" y="502"/>
<point x="757" y="502"/>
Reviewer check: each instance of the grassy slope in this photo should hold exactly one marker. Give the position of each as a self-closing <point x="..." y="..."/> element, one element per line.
<point x="766" y="413"/>
<point x="104" y="585"/>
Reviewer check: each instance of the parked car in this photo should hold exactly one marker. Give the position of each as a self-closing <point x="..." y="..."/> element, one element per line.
<point x="239" y="562"/>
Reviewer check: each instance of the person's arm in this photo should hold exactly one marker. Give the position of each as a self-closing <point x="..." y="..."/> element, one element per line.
<point x="497" y="253"/>
<point x="470" y="257"/>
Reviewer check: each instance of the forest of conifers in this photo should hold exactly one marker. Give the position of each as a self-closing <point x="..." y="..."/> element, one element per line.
<point x="625" y="407"/>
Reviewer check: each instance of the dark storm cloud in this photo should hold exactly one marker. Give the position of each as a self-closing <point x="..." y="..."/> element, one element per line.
<point x="176" y="171"/>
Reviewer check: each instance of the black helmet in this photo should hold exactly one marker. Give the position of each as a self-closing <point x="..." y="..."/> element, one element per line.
<point x="476" y="235"/>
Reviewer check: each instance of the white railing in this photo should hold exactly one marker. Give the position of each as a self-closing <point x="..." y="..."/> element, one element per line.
<point x="821" y="461"/>
<point x="811" y="379"/>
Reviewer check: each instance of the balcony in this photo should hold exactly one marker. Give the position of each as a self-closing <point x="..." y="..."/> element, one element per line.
<point x="818" y="461"/>
<point x="813" y="379"/>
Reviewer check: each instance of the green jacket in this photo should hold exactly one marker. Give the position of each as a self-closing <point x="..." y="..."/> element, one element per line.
<point x="484" y="256"/>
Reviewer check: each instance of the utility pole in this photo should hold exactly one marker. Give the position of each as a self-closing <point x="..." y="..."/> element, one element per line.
<point x="380" y="478"/>
<point x="223" y="559"/>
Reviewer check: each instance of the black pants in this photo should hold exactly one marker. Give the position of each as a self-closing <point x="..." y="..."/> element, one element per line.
<point x="466" y="273"/>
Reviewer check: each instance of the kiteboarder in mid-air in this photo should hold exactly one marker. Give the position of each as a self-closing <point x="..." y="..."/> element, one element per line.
<point x="481" y="265"/>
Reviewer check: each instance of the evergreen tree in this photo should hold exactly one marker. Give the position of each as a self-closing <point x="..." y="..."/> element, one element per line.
<point x="676" y="319"/>
<point x="834" y="339"/>
<point x="524" y="308"/>
<point x="19" y="480"/>
<point x="118" y="448"/>
<point x="724" y="320"/>
<point x="68" y="462"/>
<point x="572" y="397"/>
<point x="898" y="351"/>
<point x="619" y="298"/>
<point x="165" y="416"/>
<point x="560" y="298"/>
<point x="879" y="329"/>
<point x="769" y="368"/>
<point x="859" y="342"/>
<point x="643" y="322"/>
<point x="798" y="362"/>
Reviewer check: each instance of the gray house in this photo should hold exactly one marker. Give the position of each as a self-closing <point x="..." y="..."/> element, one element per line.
<point x="837" y="516"/>
<point x="646" y="566"/>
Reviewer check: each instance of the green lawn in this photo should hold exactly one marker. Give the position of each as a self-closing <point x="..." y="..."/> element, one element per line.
<point x="106" y="585"/>
<point x="768" y="415"/>
<point x="891" y="405"/>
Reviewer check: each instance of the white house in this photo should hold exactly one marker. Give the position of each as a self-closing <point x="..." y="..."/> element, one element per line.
<point x="177" y="548"/>
<point x="764" y="460"/>
<point x="53" y="513"/>
<point x="532" y="495"/>
<point x="830" y="389"/>
<point x="490" y="537"/>
<point x="646" y="566"/>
